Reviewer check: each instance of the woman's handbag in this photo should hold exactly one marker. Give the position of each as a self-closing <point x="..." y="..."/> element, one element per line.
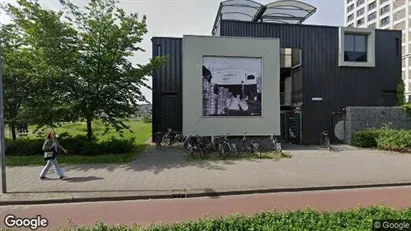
<point x="49" y="155"/>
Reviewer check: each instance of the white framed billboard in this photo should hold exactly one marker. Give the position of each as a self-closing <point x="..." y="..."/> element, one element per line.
<point x="231" y="85"/>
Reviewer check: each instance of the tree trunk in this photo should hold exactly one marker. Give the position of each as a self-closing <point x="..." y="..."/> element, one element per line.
<point x="89" y="129"/>
<point x="13" y="131"/>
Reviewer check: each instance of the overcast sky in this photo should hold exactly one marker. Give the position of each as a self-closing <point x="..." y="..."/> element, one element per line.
<point x="173" y="18"/>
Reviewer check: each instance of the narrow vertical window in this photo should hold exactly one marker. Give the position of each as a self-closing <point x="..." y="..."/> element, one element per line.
<point x="158" y="50"/>
<point x="397" y="46"/>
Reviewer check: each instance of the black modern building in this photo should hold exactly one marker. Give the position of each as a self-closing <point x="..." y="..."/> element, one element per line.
<point x="323" y="68"/>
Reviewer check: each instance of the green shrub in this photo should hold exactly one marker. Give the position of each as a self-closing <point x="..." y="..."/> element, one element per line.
<point x="366" y="138"/>
<point x="354" y="219"/>
<point x="77" y="145"/>
<point x="147" y="118"/>
<point x="394" y="140"/>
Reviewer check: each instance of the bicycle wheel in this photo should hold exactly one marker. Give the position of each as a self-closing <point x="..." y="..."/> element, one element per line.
<point x="234" y="149"/>
<point x="323" y="143"/>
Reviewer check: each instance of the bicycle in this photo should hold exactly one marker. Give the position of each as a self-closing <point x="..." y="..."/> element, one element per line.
<point x="252" y="146"/>
<point x="325" y="142"/>
<point x="169" y="137"/>
<point x="225" y="147"/>
<point x="190" y="144"/>
<point x="158" y="139"/>
<point x="276" y="144"/>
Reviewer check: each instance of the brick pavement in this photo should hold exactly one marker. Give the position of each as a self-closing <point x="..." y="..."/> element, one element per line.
<point x="161" y="172"/>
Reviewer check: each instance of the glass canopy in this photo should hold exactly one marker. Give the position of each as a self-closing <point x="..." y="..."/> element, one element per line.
<point x="281" y="11"/>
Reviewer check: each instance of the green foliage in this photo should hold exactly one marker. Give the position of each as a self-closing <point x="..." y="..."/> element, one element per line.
<point x="395" y="140"/>
<point x="407" y="109"/>
<point x="309" y="219"/>
<point x="17" y="75"/>
<point x="400" y="93"/>
<point x="76" y="145"/>
<point x="366" y="138"/>
<point x="83" y="68"/>
<point x="147" y="118"/>
<point x="384" y="138"/>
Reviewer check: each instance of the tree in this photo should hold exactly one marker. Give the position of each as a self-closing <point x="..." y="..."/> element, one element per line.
<point x="400" y="93"/>
<point x="17" y="72"/>
<point x="53" y="48"/>
<point x="108" y="84"/>
<point x="87" y="72"/>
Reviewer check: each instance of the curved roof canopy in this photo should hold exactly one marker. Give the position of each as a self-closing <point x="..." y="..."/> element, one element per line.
<point x="281" y="11"/>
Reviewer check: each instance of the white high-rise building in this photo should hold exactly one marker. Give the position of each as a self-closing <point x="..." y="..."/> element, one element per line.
<point x="385" y="14"/>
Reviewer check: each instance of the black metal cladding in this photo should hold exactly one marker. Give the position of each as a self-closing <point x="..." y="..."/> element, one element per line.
<point x="322" y="77"/>
<point x="167" y="85"/>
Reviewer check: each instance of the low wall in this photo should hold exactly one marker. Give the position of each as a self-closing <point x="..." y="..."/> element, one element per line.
<point x="359" y="118"/>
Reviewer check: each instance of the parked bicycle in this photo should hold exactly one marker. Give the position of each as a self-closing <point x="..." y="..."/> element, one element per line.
<point x="158" y="139"/>
<point x="276" y="144"/>
<point x="225" y="146"/>
<point x="250" y="145"/>
<point x="325" y="140"/>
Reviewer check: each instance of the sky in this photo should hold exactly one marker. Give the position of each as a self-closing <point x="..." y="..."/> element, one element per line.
<point x="175" y="18"/>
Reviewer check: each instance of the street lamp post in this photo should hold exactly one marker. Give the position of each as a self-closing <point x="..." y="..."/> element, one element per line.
<point x="2" y="143"/>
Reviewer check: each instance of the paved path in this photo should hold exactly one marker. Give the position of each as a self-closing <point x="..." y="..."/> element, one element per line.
<point x="146" y="212"/>
<point x="162" y="172"/>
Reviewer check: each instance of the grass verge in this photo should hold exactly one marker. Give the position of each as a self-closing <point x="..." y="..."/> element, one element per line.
<point x="77" y="159"/>
<point x="215" y="156"/>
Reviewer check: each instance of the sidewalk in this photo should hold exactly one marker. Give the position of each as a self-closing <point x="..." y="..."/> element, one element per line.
<point x="160" y="174"/>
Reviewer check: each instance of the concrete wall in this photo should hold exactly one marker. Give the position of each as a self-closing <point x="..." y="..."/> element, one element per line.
<point x="359" y="118"/>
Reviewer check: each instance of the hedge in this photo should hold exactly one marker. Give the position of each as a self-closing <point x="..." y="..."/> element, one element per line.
<point x="77" y="145"/>
<point x="354" y="219"/>
<point x="366" y="138"/>
<point x="385" y="139"/>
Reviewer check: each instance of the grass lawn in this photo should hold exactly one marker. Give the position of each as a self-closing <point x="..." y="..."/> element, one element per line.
<point x="215" y="156"/>
<point x="141" y="131"/>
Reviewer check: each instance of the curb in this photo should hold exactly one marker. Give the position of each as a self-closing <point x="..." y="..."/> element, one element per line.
<point x="200" y="194"/>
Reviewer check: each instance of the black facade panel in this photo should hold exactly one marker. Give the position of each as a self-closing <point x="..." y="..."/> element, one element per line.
<point x="322" y="77"/>
<point x="167" y="85"/>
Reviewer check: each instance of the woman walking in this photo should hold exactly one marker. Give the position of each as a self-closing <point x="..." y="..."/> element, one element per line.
<point x="52" y="148"/>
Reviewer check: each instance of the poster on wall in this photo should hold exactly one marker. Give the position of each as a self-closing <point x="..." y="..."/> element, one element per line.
<point x="232" y="86"/>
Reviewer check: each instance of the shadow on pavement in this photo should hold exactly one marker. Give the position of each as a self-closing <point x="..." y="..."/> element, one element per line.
<point x="82" y="179"/>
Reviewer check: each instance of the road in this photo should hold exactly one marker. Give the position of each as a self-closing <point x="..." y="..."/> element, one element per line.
<point x="146" y="212"/>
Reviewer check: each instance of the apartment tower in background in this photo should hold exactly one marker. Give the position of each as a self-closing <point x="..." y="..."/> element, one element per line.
<point x="385" y="14"/>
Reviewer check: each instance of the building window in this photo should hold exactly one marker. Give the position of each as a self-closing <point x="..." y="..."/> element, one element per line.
<point x="385" y="9"/>
<point x="357" y="47"/>
<point x="351" y="25"/>
<point x="350" y="17"/>
<point x="403" y="37"/>
<point x="383" y="1"/>
<point x="360" y="2"/>
<point x="372" y="16"/>
<point x="409" y="99"/>
<point x="360" y="22"/>
<point x="372" y="5"/>
<point x="403" y="50"/>
<point x="403" y="75"/>
<point x="399" y="26"/>
<point x="372" y="26"/>
<point x="409" y="88"/>
<point x="350" y="8"/>
<point x="398" y="3"/>
<point x="385" y="21"/>
<point x="399" y="15"/>
<point x="348" y="1"/>
<point x="403" y="63"/>
<point x="360" y="12"/>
